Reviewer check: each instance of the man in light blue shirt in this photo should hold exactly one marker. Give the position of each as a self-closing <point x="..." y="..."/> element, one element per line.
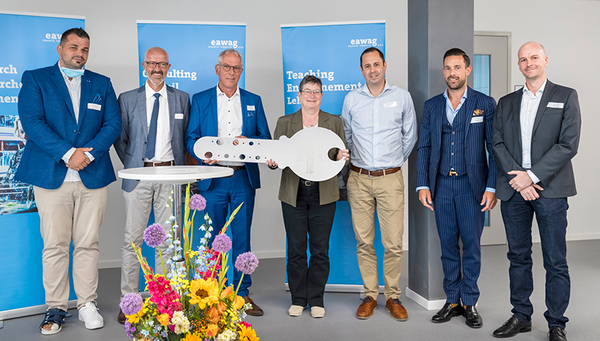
<point x="380" y="125"/>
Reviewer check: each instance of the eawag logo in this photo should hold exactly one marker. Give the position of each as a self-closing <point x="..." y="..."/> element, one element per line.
<point x="52" y="37"/>
<point x="224" y="43"/>
<point x="363" y="42"/>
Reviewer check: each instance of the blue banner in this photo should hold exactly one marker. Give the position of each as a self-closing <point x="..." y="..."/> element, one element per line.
<point x="193" y="49"/>
<point x="28" y="42"/>
<point x="332" y="53"/>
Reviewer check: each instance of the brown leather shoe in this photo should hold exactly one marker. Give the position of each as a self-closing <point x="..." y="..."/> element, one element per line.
<point x="255" y="310"/>
<point x="121" y="318"/>
<point x="366" y="309"/>
<point x="397" y="311"/>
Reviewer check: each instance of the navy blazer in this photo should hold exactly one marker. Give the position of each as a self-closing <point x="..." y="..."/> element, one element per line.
<point x="555" y="140"/>
<point x="478" y="139"/>
<point x="204" y="122"/>
<point x="46" y="112"/>
<point x="131" y="145"/>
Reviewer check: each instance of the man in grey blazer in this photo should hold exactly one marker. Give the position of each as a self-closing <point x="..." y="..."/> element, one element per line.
<point x="155" y="118"/>
<point x="536" y="134"/>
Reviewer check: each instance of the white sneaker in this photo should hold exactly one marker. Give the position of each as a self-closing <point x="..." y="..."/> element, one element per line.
<point x="317" y="312"/>
<point x="295" y="310"/>
<point x="89" y="314"/>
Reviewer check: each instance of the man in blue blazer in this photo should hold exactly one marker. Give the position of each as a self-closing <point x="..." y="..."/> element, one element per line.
<point x="71" y="118"/>
<point x="536" y="134"/>
<point x="228" y="111"/>
<point x="452" y="170"/>
<point x="155" y="118"/>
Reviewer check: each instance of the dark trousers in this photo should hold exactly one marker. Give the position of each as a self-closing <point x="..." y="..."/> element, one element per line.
<point x="308" y="221"/>
<point x="222" y="197"/>
<point x="551" y="216"/>
<point x="458" y="216"/>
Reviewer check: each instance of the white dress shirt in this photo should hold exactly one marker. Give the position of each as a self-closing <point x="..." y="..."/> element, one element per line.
<point x="162" y="150"/>
<point x="74" y="87"/>
<point x="229" y="111"/>
<point x="529" y="107"/>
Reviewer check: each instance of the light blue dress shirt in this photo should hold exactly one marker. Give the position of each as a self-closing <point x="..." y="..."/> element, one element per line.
<point x="381" y="131"/>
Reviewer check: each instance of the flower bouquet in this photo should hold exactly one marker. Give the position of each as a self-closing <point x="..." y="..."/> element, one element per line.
<point x="193" y="301"/>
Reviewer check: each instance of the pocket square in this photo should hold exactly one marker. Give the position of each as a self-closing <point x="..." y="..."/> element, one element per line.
<point x="478" y="112"/>
<point x="97" y="98"/>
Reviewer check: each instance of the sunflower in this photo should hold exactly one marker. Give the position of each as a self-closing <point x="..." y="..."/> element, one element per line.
<point x="247" y="334"/>
<point x="203" y="292"/>
<point x="192" y="337"/>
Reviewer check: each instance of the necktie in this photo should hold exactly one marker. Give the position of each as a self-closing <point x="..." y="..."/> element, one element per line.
<point x="152" y="131"/>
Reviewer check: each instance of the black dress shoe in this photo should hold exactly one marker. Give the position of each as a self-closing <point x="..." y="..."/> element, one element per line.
<point x="512" y="327"/>
<point x="121" y="317"/>
<point x="557" y="334"/>
<point x="447" y="312"/>
<point x="474" y="320"/>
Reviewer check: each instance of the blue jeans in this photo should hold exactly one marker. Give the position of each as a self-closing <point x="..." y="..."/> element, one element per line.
<point x="222" y="197"/>
<point x="551" y="216"/>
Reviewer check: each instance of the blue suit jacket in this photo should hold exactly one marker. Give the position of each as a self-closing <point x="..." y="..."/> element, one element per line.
<point x="204" y="122"/>
<point x="131" y="145"/>
<point x="46" y="111"/>
<point x="478" y="137"/>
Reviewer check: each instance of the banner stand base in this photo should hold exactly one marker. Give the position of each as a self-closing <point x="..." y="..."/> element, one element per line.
<point x="34" y="310"/>
<point x="423" y="302"/>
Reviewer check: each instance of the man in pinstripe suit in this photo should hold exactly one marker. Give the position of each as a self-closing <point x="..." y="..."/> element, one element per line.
<point x="453" y="176"/>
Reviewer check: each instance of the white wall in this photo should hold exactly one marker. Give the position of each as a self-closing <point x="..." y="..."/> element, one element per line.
<point x="569" y="32"/>
<point x="568" y="29"/>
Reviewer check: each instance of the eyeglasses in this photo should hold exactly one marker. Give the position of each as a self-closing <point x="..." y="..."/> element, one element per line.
<point x="307" y="92"/>
<point x="162" y="65"/>
<point x="227" y="68"/>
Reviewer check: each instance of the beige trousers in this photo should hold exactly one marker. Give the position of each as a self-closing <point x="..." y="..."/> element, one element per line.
<point x="386" y="194"/>
<point x="70" y="213"/>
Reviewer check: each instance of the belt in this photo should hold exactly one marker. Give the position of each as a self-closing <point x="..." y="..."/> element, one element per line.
<point x="307" y="183"/>
<point x="378" y="172"/>
<point x="157" y="164"/>
<point x="452" y="172"/>
<point x="235" y="168"/>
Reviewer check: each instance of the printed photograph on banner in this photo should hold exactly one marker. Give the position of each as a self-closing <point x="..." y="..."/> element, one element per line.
<point x="334" y="58"/>
<point x="193" y="51"/>
<point x="28" y="42"/>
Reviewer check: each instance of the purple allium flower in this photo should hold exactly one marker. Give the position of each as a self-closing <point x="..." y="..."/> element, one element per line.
<point x="154" y="235"/>
<point x="246" y="263"/>
<point x="129" y="329"/>
<point x="222" y="243"/>
<point x="197" y="202"/>
<point x="131" y="303"/>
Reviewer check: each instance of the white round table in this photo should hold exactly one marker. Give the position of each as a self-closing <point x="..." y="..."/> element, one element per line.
<point x="177" y="176"/>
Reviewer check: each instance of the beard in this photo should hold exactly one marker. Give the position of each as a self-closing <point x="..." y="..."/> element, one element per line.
<point x="162" y="80"/>
<point x="459" y="84"/>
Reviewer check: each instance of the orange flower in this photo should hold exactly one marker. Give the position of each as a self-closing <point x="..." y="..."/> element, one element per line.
<point x="226" y="292"/>
<point x="239" y="302"/>
<point x="163" y="319"/>
<point x="213" y="315"/>
<point x="212" y="330"/>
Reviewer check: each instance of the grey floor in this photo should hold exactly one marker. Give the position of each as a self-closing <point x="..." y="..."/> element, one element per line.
<point x="340" y="324"/>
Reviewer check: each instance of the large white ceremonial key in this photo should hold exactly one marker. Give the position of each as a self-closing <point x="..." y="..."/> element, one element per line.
<point x="306" y="153"/>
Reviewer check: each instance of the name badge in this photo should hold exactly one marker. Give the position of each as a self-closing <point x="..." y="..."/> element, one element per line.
<point x="179" y="116"/>
<point x="477" y="119"/>
<point x="390" y="104"/>
<point x="250" y="108"/>
<point x="556" y="105"/>
<point x="94" y="106"/>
